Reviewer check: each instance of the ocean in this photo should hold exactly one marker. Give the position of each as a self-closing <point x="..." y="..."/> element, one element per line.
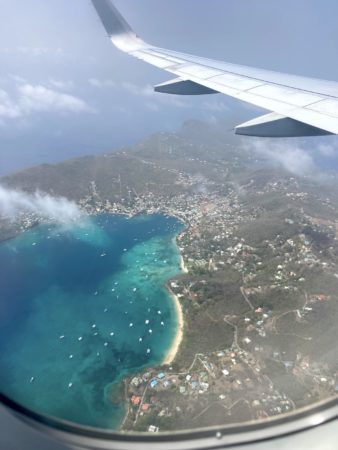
<point x="82" y="307"/>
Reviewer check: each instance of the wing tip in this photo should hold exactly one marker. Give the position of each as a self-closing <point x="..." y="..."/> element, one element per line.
<point x="117" y="28"/>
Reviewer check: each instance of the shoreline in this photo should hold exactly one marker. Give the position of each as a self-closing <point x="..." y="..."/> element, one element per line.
<point x="173" y="351"/>
<point x="183" y="266"/>
<point x="171" y="355"/>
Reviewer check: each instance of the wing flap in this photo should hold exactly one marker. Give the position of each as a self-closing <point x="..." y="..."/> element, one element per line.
<point x="313" y="85"/>
<point x="328" y="107"/>
<point x="287" y="95"/>
<point x="202" y="72"/>
<point x="237" y="82"/>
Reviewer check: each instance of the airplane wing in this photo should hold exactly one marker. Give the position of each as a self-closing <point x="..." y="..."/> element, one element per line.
<point x="299" y="106"/>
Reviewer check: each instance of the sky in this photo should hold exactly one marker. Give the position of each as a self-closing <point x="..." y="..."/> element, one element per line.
<point x="66" y="91"/>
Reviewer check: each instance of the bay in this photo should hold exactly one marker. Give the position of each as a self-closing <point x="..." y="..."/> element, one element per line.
<point x="83" y="306"/>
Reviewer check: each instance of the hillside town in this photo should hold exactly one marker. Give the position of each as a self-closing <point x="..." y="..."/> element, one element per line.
<point x="259" y="298"/>
<point x="255" y="370"/>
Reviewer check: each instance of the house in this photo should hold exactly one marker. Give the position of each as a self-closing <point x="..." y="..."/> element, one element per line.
<point x="136" y="381"/>
<point x="136" y="400"/>
<point x="153" y="383"/>
<point x="145" y="407"/>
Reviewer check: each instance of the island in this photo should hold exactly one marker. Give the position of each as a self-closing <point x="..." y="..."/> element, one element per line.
<point x="257" y="300"/>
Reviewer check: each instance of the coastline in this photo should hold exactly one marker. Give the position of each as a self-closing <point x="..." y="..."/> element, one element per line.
<point x="173" y="350"/>
<point x="183" y="266"/>
<point x="170" y="357"/>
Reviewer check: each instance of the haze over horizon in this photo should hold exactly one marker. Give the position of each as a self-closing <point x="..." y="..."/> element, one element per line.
<point x="66" y="91"/>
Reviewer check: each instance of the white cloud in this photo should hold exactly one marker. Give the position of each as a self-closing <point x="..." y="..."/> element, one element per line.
<point x="61" y="84"/>
<point x="32" y="51"/>
<point x="329" y="151"/>
<point x="95" y="82"/>
<point x="134" y="89"/>
<point x="41" y="99"/>
<point x="18" y="79"/>
<point x="286" y="154"/>
<point x="37" y="98"/>
<point x="37" y="52"/>
<point x="121" y="109"/>
<point x="152" y="106"/>
<point x="8" y="109"/>
<point x="215" y="106"/>
<point x="156" y="98"/>
<point x="58" y="209"/>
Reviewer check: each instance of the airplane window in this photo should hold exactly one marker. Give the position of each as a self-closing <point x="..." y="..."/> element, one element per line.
<point x="168" y="242"/>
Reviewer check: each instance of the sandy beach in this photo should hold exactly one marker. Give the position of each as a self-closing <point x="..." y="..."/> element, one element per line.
<point x="179" y="335"/>
<point x="183" y="267"/>
<point x="169" y="359"/>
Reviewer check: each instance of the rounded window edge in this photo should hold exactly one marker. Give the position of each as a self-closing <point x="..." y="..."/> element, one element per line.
<point x="218" y="436"/>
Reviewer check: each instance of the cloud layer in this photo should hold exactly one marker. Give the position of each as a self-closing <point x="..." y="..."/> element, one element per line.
<point x="58" y="209"/>
<point x="154" y="101"/>
<point x="37" y="98"/>
<point x="290" y="155"/>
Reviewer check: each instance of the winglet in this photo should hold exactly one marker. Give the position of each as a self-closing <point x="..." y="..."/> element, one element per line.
<point x="119" y="31"/>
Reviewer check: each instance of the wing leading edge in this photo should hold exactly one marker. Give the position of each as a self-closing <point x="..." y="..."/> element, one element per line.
<point x="300" y="106"/>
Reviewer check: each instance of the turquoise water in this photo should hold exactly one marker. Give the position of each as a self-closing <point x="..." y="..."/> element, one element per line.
<point x="82" y="307"/>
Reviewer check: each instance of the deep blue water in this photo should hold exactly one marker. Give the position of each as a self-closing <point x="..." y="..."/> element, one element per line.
<point x="82" y="307"/>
